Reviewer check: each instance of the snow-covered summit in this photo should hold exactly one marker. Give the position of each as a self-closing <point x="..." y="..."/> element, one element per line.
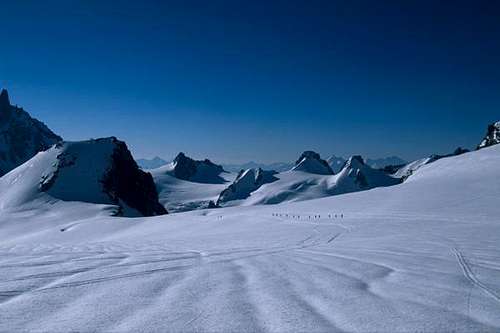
<point x="21" y="136"/>
<point x="492" y="136"/>
<point x="100" y="171"/>
<point x="311" y="162"/>
<point x="245" y="183"/>
<point x="186" y="168"/>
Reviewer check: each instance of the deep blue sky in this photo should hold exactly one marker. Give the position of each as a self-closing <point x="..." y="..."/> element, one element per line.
<point x="257" y="80"/>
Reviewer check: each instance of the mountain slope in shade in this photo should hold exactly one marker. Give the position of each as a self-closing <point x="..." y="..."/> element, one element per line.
<point x="153" y="163"/>
<point x="186" y="168"/>
<point x="492" y="136"/>
<point x="358" y="176"/>
<point x="21" y="136"/>
<point x="245" y="183"/>
<point x="311" y="162"/>
<point x="98" y="171"/>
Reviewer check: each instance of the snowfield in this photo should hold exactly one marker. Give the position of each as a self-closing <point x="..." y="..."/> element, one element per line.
<point x="420" y="256"/>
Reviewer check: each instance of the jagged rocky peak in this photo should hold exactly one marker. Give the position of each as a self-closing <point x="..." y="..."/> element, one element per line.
<point x="312" y="162"/>
<point x="492" y="136"/>
<point x="102" y="171"/>
<point x="355" y="167"/>
<point x="4" y="99"/>
<point x="357" y="175"/>
<point x="204" y="171"/>
<point x="245" y="183"/>
<point x="21" y="136"/>
<point x="356" y="160"/>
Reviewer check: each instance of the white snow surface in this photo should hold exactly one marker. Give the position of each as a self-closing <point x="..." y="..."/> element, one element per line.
<point x="411" y="167"/>
<point x="182" y="195"/>
<point x="420" y="256"/>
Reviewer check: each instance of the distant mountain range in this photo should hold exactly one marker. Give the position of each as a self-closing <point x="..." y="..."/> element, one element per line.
<point x="153" y="163"/>
<point x="278" y="166"/>
<point x="336" y="163"/>
<point x="37" y="165"/>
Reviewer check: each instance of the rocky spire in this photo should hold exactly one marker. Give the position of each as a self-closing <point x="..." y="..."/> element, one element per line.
<point x="4" y="98"/>
<point x="492" y="136"/>
<point x="312" y="162"/>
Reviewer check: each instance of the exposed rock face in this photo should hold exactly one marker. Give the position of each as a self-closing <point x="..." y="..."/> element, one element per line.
<point x="492" y="136"/>
<point x="197" y="171"/>
<point x="102" y="171"/>
<point x="311" y="162"/>
<point x="125" y="181"/>
<point x="245" y="183"/>
<point x="355" y="165"/>
<point x="21" y="136"/>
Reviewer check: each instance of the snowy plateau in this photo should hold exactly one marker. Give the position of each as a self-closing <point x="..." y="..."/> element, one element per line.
<point x="86" y="244"/>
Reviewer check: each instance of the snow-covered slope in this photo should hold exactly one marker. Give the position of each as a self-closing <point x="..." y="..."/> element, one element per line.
<point x="492" y="136"/>
<point x="186" y="184"/>
<point x="98" y="171"/>
<point x="245" y="183"/>
<point x="21" y="136"/>
<point x="409" y="169"/>
<point x="311" y="162"/>
<point x="422" y="256"/>
<point x="296" y="185"/>
<point x="357" y="176"/>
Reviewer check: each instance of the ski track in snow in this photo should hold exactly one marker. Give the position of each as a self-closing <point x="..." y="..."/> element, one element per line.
<point x="385" y="267"/>
<point x="469" y="274"/>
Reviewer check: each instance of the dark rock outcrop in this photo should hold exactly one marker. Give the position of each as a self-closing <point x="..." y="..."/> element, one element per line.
<point x="125" y="181"/>
<point x="204" y="171"/>
<point x="492" y="136"/>
<point x="245" y="183"/>
<point x="356" y="175"/>
<point x="456" y="152"/>
<point x="101" y="171"/>
<point x="312" y="162"/>
<point x="21" y="136"/>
